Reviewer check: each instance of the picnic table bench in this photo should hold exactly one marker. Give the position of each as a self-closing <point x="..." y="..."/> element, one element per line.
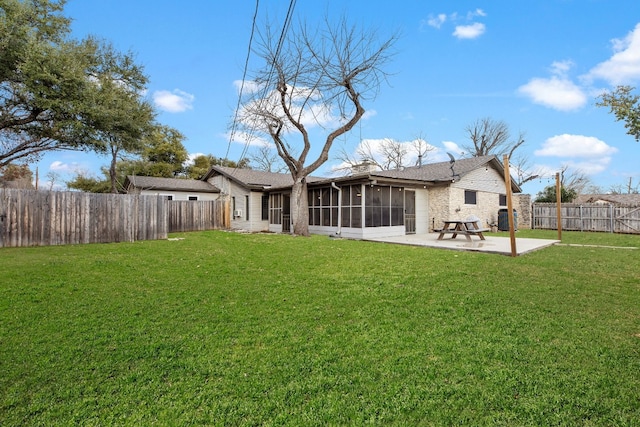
<point x="466" y="228"/>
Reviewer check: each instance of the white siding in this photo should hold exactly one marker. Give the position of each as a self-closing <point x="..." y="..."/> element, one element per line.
<point x="239" y="193"/>
<point x="423" y="222"/>
<point x="180" y="195"/>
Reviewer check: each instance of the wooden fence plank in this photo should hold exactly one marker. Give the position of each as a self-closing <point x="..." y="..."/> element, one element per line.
<point x="40" y="218"/>
<point x="588" y="217"/>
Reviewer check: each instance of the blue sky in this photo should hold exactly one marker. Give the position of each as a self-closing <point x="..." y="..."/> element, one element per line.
<point x="537" y="65"/>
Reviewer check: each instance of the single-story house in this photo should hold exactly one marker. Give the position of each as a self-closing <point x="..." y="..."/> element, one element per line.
<point x="371" y="203"/>
<point x="172" y="188"/>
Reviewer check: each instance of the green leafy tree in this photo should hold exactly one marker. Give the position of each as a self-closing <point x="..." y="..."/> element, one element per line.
<point x="16" y="176"/>
<point x="44" y="81"/>
<point x="202" y="163"/>
<point x="625" y="106"/>
<point x="548" y="195"/>
<point x="163" y="153"/>
<point x="89" y="184"/>
<point x="119" y="118"/>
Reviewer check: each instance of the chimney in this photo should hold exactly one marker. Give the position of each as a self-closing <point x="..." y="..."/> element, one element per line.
<point x="364" y="167"/>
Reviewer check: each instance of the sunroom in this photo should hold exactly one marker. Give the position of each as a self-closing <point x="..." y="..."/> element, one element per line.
<point x="353" y="209"/>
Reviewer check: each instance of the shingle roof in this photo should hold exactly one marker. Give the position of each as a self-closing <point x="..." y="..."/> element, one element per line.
<point x="434" y="173"/>
<point x="175" y="184"/>
<point x="254" y="178"/>
<point x="430" y="172"/>
<point x="439" y="172"/>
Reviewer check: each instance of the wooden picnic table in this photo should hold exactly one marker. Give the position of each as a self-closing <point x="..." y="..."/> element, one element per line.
<point x="466" y="228"/>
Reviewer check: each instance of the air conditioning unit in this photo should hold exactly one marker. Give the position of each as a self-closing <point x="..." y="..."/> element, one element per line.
<point x="237" y="213"/>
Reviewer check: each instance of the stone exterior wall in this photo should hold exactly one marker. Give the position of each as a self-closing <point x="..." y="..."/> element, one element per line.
<point x="439" y="206"/>
<point x="522" y="205"/>
<point x="448" y="202"/>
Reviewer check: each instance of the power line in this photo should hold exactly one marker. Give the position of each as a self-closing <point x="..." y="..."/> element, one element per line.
<point x="267" y="84"/>
<point x="244" y="75"/>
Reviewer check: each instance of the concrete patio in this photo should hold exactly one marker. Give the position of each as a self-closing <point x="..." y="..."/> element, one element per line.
<point x="491" y="244"/>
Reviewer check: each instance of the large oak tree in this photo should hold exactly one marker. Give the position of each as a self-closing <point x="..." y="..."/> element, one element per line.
<point x="57" y="93"/>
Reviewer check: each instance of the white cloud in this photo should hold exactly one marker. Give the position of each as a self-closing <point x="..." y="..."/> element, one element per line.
<point x="176" y="101"/>
<point x="247" y="86"/>
<point x="589" y="167"/>
<point x="576" y="146"/>
<point x="477" y="12"/>
<point x="624" y="66"/>
<point x="556" y="92"/>
<point x="562" y="68"/>
<point x="61" y="167"/>
<point x="471" y="31"/>
<point x="368" y="114"/>
<point x="246" y="138"/>
<point x="453" y="148"/>
<point x="191" y="157"/>
<point x="436" y="21"/>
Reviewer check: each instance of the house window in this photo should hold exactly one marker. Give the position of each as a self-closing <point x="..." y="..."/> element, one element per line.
<point x="470" y="197"/>
<point x="265" y="207"/>
<point x="233" y="205"/>
<point x="384" y="206"/>
<point x="193" y="198"/>
<point x="275" y="209"/>
<point x="502" y="200"/>
<point x="169" y="197"/>
<point x="352" y="206"/>
<point x="246" y="208"/>
<point x="323" y="206"/>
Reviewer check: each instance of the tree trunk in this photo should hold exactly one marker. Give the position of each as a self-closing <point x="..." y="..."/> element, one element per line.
<point x="300" y="207"/>
<point x="112" y="172"/>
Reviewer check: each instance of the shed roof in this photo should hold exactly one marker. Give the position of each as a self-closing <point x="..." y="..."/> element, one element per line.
<point x="170" y="184"/>
<point x="616" y="199"/>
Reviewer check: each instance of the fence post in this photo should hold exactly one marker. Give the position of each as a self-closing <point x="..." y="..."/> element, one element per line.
<point x="611" y="220"/>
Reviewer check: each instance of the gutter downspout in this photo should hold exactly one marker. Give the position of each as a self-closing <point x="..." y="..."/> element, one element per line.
<point x="333" y="184"/>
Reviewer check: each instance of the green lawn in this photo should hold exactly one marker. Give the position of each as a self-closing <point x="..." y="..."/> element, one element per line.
<point x="236" y="329"/>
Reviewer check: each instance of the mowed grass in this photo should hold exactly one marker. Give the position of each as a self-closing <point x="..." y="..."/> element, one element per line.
<point x="235" y="329"/>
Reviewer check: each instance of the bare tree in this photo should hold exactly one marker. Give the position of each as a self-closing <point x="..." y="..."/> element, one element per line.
<point x="386" y="154"/>
<point x="626" y="188"/>
<point x="53" y="178"/>
<point x="422" y="148"/>
<point x="575" y="180"/>
<point x="310" y="78"/>
<point x="265" y="158"/>
<point x="524" y="171"/>
<point x="490" y="136"/>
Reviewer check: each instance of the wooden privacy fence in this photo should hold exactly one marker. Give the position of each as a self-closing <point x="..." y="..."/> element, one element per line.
<point x="587" y="217"/>
<point x="190" y="215"/>
<point x="42" y="218"/>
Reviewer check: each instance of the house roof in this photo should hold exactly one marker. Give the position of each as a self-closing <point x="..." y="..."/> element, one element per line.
<point x="254" y="179"/>
<point x="616" y="199"/>
<point x="433" y="173"/>
<point x="170" y="184"/>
